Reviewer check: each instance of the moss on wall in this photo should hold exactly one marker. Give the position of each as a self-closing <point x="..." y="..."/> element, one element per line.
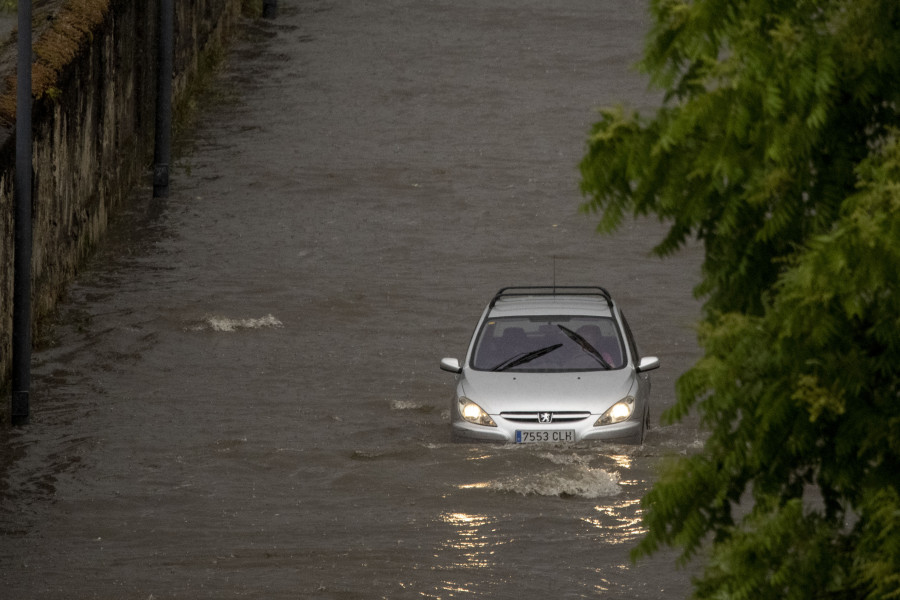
<point x="56" y="40"/>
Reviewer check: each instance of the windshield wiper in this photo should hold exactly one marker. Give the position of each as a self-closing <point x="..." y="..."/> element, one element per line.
<point x="586" y="346"/>
<point x="520" y="359"/>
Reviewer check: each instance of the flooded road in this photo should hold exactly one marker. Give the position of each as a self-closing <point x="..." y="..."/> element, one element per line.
<point x="241" y="397"/>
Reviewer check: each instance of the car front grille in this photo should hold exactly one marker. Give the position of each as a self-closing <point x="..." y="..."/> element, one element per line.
<point x="535" y="417"/>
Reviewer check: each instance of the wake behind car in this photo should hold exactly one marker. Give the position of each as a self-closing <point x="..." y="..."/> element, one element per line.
<point x="551" y="364"/>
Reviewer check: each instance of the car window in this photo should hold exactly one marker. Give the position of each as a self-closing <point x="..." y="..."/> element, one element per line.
<point x="634" y="347"/>
<point x="549" y="344"/>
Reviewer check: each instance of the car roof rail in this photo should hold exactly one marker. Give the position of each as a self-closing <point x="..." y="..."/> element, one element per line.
<point x="552" y="290"/>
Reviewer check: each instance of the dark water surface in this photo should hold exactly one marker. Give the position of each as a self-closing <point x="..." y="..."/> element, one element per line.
<point x="242" y="395"/>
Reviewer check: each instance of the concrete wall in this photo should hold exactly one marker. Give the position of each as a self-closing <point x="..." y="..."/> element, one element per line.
<point x="93" y="140"/>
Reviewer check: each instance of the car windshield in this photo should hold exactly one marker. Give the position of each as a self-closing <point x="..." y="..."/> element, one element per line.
<point x="549" y="344"/>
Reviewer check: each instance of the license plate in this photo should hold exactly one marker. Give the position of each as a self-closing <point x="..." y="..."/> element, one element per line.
<point x="547" y="436"/>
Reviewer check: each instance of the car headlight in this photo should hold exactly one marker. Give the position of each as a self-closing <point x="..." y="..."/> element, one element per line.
<point x="473" y="413"/>
<point x="618" y="412"/>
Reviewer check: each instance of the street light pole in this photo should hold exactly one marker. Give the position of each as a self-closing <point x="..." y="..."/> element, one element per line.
<point x="21" y="339"/>
<point x="162" y="154"/>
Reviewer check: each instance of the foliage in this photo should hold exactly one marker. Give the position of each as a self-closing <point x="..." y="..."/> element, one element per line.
<point x="802" y="398"/>
<point x="777" y="147"/>
<point x="770" y="105"/>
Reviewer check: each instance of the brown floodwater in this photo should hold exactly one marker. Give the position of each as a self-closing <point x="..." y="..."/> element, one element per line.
<point x="241" y="395"/>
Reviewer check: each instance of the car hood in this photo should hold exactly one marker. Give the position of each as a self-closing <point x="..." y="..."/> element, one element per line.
<point x="592" y="391"/>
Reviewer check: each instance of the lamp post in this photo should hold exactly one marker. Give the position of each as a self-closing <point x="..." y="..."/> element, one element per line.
<point x="162" y="153"/>
<point x="21" y="338"/>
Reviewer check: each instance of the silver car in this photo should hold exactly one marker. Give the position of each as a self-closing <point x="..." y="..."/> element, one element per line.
<point x="551" y="364"/>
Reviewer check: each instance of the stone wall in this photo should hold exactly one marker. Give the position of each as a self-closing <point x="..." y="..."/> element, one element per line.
<point x="93" y="133"/>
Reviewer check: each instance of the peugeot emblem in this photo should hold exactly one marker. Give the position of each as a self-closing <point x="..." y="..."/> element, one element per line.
<point x="545" y="417"/>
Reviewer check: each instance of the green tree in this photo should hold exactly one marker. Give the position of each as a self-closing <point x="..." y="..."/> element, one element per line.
<point x="777" y="148"/>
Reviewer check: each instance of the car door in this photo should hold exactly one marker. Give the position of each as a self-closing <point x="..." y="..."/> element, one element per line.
<point x="643" y="379"/>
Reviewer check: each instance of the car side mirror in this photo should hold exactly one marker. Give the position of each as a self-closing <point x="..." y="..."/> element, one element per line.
<point x="648" y="363"/>
<point x="451" y="365"/>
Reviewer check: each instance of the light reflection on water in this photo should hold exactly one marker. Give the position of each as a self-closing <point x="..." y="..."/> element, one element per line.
<point x="476" y="486"/>
<point x="479" y="457"/>
<point x="619" y="523"/>
<point x="622" y="461"/>
<point x="605" y="585"/>
<point x="473" y="536"/>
